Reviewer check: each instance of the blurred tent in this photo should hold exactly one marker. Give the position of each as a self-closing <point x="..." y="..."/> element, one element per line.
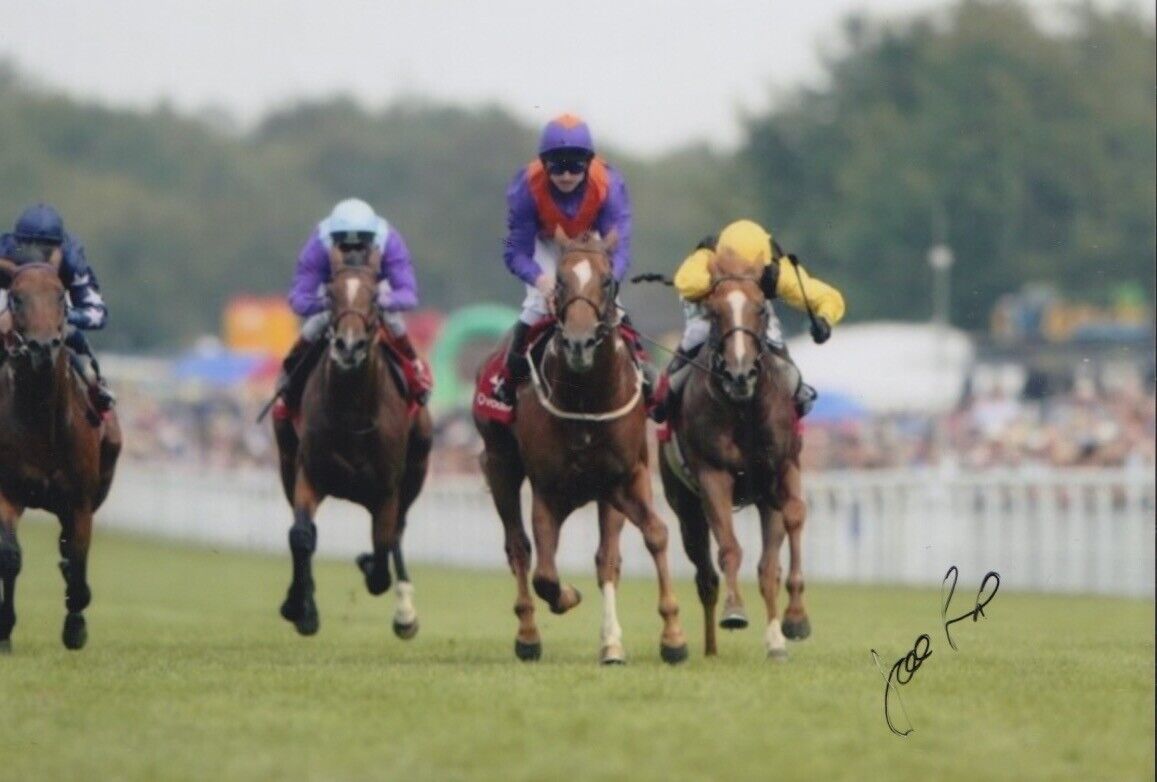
<point x="217" y="369"/>
<point x="833" y="407"/>
<point x="888" y="367"/>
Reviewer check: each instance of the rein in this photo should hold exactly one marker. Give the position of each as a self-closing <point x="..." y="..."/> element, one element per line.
<point x="543" y="395"/>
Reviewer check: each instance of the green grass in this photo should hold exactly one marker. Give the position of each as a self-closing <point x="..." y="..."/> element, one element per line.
<point x="190" y="674"/>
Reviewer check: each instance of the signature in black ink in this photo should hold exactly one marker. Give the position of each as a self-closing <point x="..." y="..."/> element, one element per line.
<point x="905" y="668"/>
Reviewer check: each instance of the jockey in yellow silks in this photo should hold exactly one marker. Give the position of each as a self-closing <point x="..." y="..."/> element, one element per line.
<point x="787" y="281"/>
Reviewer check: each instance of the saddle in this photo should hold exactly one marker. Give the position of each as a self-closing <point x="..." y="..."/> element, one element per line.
<point x="487" y="402"/>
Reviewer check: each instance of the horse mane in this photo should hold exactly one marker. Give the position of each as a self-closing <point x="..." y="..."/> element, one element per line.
<point x="727" y="263"/>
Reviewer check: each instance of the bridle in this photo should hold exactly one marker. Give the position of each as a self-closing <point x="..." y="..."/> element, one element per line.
<point x="605" y="312"/>
<point x="15" y="343"/>
<point x="718" y="340"/>
<point x="371" y="321"/>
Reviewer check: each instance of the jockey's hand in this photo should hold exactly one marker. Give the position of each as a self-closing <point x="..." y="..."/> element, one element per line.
<point x="545" y="285"/>
<point x="821" y="330"/>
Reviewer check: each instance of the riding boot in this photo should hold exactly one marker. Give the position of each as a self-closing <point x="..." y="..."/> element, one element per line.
<point x="804" y="395"/>
<point x="423" y="379"/>
<point x="517" y="364"/>
<point x="85" y="364"/>
<point x="665" y="401"/>
<point x="291" y="380"/>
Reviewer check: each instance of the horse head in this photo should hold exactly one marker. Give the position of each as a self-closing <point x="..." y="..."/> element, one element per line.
<point x="352" y="300"/>
<point x="735" y="308"/>
<point x="39" y="307"/>
<point x="584" y="297"/>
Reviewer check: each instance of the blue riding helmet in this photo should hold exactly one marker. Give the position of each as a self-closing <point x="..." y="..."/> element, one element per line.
<point x="353" y="221"/>
<point x="40" y="223"/>
<point x="566" y="133"/>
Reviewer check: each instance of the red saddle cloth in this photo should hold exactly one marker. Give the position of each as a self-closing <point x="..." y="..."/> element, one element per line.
<point x="493" y="376"/>
<point x="407" y="376"/>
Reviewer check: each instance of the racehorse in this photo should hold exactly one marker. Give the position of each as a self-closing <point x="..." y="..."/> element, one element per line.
<point x="579" y="435"/>
<point x="735" y="442"/>
<point x="357" y="438"/>
<point x="56" y="451"/>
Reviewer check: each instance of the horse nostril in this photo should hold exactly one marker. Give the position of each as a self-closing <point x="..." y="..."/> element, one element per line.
<point x="590" y="343"/>
<point x="360" y="345"/>
<point x="339" y="343"/>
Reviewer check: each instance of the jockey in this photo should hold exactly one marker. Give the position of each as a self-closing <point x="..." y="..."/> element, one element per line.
<point x="352" y="228"/>
<point x="754" y="244"/>
<point x="567" y="185"/>
<point x="38" y="235"/>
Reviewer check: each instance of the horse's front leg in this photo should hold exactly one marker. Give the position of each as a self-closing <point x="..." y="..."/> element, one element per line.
<point x="795" y="620"/>
<point x="75" y="537"/>
<point x="546" y="520"/>
<point x="608" y="565"/>
<point x="299" y="606"/>
<point x="772" y="529"/>
<point x="718" y="487"/>
<point x="387" y="541"/>
<point x="634" y="499"/>
<point x="504" y="475"/>
<point x="10" y="564"/>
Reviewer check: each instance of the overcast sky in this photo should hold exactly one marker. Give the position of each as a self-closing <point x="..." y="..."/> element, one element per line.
<point x="648" y="76"/>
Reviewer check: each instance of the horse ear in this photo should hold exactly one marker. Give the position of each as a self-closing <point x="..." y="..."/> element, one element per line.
<point x="560" y="235"/>
<point x="375" y="261"/>
<point x="56" y="258"/>
<point x="611" y="240"/>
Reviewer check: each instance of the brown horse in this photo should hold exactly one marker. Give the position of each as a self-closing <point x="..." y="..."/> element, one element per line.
<point x="56" y="452"/>
<point x="355" y="439"/>
<point x="579" y="436"/>
<point x="735" y="442"/>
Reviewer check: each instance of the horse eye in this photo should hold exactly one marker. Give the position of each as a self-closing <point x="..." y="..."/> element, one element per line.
<point x="15" y="302"/>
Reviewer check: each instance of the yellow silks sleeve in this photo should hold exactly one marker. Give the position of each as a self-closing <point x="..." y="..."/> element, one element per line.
<point x="693" y="280"/>
<point x="826" y="301"/>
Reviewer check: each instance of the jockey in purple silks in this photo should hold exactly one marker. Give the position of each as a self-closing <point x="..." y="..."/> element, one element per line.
<point x="566" y="186"/>
<point x="351" y="228"/>
<point x="37" y="236"/>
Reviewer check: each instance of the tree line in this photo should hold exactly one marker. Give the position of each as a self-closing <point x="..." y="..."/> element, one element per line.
<point x="1029" y="152"/>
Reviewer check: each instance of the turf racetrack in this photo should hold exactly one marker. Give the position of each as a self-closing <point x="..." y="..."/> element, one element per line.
<point x="191" y="674"/>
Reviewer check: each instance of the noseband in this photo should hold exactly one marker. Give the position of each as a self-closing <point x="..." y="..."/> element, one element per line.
<point x="604" y="312"/>
<point x="370" y="322"/>
<point x="719" y="342"/>
<point x="16" y="344"/>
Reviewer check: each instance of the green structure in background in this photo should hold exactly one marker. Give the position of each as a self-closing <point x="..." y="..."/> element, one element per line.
<point x="474" y="323"/>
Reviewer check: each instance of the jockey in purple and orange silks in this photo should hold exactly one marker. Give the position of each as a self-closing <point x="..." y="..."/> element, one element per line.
<point x="566" y="186"/>
<point x="351" y="228"/>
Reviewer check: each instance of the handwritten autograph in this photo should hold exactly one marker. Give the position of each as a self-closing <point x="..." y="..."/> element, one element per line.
<point x="905" y="668"/>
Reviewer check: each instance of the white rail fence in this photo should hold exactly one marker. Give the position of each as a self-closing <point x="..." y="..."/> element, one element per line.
<point x="1050" y="531"/>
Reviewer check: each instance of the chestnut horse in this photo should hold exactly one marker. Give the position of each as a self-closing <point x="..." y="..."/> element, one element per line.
<point x="355" y="439"/>
<point x="579" y="436"/>
<point x="56" y="451"/>
<point x="735" y="442"/>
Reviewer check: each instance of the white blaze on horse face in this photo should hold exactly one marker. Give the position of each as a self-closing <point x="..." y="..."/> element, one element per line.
<point x="736" y="299"/>
<point x="351" y="289"/>
<point x="582" y="271"/>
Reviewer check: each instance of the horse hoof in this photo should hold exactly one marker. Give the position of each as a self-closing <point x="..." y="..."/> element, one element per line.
<point x="610" y="656"/>
<point x="673" y="654"/>
<point x="309" y="621"/>
<point x="736" y="620"/>
<point x="377" y="578"/>
<point x="527" y="652"/>
<point x="777" y="655"/>
<point x="6" y="646"/>
<point x="406" y="631"/>
<point x="75" y="633"/>
<point x="797" y="630"/>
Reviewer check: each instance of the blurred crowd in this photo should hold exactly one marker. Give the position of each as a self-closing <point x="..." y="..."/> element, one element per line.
<point x="993" y="429"/>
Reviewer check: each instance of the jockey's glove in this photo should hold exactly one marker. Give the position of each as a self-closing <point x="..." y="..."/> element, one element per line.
<point x="821" y="330"/>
